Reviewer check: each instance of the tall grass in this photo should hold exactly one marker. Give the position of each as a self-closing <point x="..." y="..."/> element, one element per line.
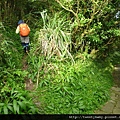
<point x="54" y="39"/>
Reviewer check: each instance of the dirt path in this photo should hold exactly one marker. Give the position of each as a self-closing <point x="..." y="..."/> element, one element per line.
<point x="28" y="82"/>
<point x="113" y="105"/>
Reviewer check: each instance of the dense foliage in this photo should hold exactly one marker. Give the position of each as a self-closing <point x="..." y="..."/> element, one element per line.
<point x="13" y="97"/>
<point x="74" y="45"/>
<point x="77" y="89"/>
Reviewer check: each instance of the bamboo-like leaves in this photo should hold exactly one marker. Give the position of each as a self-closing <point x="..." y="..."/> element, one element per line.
<point x="55" y="37"/>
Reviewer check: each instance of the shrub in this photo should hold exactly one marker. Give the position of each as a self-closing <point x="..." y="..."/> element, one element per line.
<point x="16" y="102"/>
<point x="74" y="89"/>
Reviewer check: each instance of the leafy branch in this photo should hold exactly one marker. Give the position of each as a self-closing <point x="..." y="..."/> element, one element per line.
<point x="70" y="10"/>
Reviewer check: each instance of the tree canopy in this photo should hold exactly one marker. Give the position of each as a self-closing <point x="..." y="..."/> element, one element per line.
<point x="93" y="24"/>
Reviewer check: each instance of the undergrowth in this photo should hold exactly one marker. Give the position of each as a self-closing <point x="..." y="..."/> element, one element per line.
<point x="66" y="84"/>
<point x="14" y="99"/>
<point x="61" y="86"/>
<point x="73" y="89"/>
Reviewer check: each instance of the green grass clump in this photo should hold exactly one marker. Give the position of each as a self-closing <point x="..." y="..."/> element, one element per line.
<point x="74" y="89"/>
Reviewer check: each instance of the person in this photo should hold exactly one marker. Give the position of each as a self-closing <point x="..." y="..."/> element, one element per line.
<point x="24" y="35"/>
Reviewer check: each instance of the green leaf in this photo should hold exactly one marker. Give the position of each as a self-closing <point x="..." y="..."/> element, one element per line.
<point x="33" y="110"/>
<point x="1" y="104"/>
<point x="18" y="95"/>
<point x="10" y="108"/>
<point x="18" y="110"/>
<point x="50" y="107"/>
<point x="73" y="84"/>
<point x="15" y="105"/>
<point x="1" y="109"/>
<point x="66" y="89"/>
<point x="82" y="107"/>
<point x="22" y="98"/>
<point x="5" y="110"/>
<point x="22" y="105"/>
<point x="75" y="110"/>
<point x="58" y="88"/>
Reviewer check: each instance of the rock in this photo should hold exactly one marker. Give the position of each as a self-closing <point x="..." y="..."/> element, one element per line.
<point x="113" y="96"/>
<point x="118" y="104"/>
<point x="108" y="107"/>
<point x="116" y="111"/>
<point x="117" y="89"/>
<point x="100" y="112"/>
